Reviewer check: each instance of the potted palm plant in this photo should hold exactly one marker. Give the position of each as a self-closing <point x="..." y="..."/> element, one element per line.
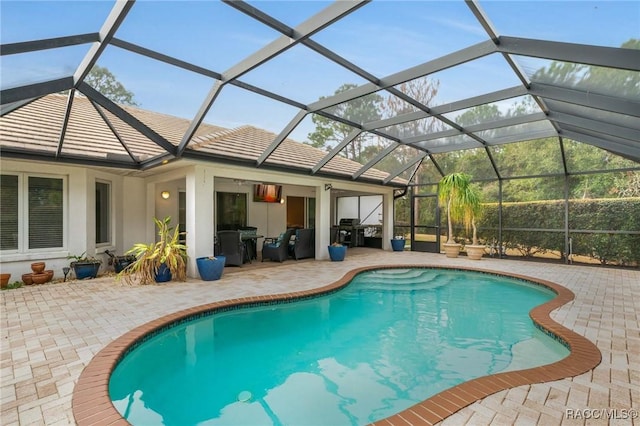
<point x="161" y="261"/>
<point x="473" y="199"/>
<point x="462" y="201"/>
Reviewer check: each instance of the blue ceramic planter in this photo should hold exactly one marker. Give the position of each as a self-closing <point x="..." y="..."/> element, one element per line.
<point x="211" y="269"/>
<point x="397" y="244"/>
<point x="164" y="274"/>
<point x="84" y="270"/>
<point x="337" y="253"/>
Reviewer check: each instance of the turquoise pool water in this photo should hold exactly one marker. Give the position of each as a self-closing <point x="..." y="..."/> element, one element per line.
<point x="390" y="339"/>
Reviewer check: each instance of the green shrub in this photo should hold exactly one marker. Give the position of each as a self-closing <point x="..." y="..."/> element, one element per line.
<point x="584" y="215"/>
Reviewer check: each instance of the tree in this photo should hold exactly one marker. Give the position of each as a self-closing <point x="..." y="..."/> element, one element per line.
<point x="105" y="82"/>
<point x="329" y="132"/>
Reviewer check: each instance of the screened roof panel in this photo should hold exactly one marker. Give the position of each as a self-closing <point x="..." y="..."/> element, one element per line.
<point x="33" y="20"/>
<point x="234" y="101"/>
<point x="88" y="135"/>
<point x="487" y="113"/>
<point x="423" y="126"/>
<point x="616" y="21"/>
<point x="362" y="149"/>
<point x="37" y="127"/>
<point x="617" y="83"/>
<point x="155" y="84"/>
<point x="429" y="74"/>
<point x="35" y="67"/>
<point x="583" y="157"/>
<point x="427" y="173"/>
<point x="290" y="75"/>
<point x="208" y="34"/>
<point x="474" y="162"/>
<point x="519" y="132"/>
<point x="138" y="145"/>
<point x="613" y="118"/>
<point x="453" y="143"/>
<point x="515" y="160"/>
<point x="487" y="74"/>
<point x="384" y="37"/>
<point x="361" y="110"/>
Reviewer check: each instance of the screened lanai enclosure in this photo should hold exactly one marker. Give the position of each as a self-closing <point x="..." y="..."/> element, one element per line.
<point x="538" y="101"/>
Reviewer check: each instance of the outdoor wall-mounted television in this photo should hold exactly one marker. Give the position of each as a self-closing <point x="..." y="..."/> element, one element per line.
<point x="267" y="193"/>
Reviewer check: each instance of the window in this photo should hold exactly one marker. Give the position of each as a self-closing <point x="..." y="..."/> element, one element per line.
<point x="103" y="212"/>
<point x="45" y="213"/>
<point x="9" y="212"/>
<point x="42" y="199"/>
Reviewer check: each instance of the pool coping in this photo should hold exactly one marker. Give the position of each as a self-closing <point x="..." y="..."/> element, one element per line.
<point x="91" y="404"/>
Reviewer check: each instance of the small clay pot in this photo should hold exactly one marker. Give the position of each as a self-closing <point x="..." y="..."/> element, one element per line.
<point x="49" y="273"/>
<point x="38" y="267"/>
<point x="27" y="279"/>
<point x="40" y="278"/>
<point x="4" y="280"/>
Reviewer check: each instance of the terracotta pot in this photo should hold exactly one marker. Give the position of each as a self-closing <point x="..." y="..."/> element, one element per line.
<point x="452" y="250"/>
<point x="49" y="273"/>
<point x="40" y="278"/>
<point x="27" y="279"/>
<point x="474" y="252"/>
<point x="38" y="267"/>
<point x="4" y="280"/>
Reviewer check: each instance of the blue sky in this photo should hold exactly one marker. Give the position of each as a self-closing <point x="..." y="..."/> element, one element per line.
<point x="382" y="37"/>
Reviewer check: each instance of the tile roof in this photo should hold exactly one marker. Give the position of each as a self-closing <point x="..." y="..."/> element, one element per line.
<point x="38" y="125"/>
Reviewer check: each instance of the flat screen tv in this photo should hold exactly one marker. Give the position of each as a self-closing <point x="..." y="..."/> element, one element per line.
<point x="267" y="193"/>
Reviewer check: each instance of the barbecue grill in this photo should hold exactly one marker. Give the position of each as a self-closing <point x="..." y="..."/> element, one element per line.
<point x="349" y="231"/>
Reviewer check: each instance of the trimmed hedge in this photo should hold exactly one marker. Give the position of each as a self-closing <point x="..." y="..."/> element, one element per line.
<point x="602" y="215"/>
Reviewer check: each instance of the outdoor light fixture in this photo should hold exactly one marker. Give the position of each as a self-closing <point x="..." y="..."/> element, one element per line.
<point x="327" y="186"/>
<point x="281" y="200"/>
<point x="165" y="195"/>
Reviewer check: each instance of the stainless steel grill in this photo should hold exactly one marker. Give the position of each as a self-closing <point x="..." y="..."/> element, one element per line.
<point x="348" y="230"/>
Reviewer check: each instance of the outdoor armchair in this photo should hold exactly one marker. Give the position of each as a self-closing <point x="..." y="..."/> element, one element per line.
<point x="277" y="249"/>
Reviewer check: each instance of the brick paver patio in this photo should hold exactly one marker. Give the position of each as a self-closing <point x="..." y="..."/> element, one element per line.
<point x="51" y="332"/>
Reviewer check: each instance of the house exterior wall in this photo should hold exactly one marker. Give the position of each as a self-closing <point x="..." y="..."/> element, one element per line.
<point x="135" y="201"/>
<point x="126" y="215"/>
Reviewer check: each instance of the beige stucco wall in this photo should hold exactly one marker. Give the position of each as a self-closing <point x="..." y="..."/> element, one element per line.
<point x="136" y="201"/>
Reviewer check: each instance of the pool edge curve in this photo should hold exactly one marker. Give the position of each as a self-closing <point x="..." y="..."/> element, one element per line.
<point x="91" y="403"/>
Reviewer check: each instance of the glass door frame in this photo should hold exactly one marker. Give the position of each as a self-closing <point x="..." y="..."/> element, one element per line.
<point x="425" y="246"/>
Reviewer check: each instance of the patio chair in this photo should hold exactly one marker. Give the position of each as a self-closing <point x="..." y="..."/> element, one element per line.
<point x="277" y="248"/>
<point x="231" y="247"/>
<point x="304" y="245"/>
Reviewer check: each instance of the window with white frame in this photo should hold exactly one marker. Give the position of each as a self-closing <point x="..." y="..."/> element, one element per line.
<point x="103" y="212"/>
<point x="32" y="215"/>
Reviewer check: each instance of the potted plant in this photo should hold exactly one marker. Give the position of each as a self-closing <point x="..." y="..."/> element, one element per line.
<point x="161" y="261"/>
<point x="85" y="266"/>
<point x="210" y="268"/>
<point x="397" y="243"/>
<point x="462" y="200"/>
<point x="337" y="252"/>
<point x="474" y="201"/>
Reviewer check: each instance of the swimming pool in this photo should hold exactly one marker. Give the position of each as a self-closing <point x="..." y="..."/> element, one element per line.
<point x="359" y="354"/>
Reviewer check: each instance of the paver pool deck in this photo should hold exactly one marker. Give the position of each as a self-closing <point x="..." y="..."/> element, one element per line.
<point x="51" y="332"/>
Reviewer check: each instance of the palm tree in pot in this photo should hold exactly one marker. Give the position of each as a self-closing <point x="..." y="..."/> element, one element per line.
<point x="462" y="201"/>
<point x="473" y="201"/>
